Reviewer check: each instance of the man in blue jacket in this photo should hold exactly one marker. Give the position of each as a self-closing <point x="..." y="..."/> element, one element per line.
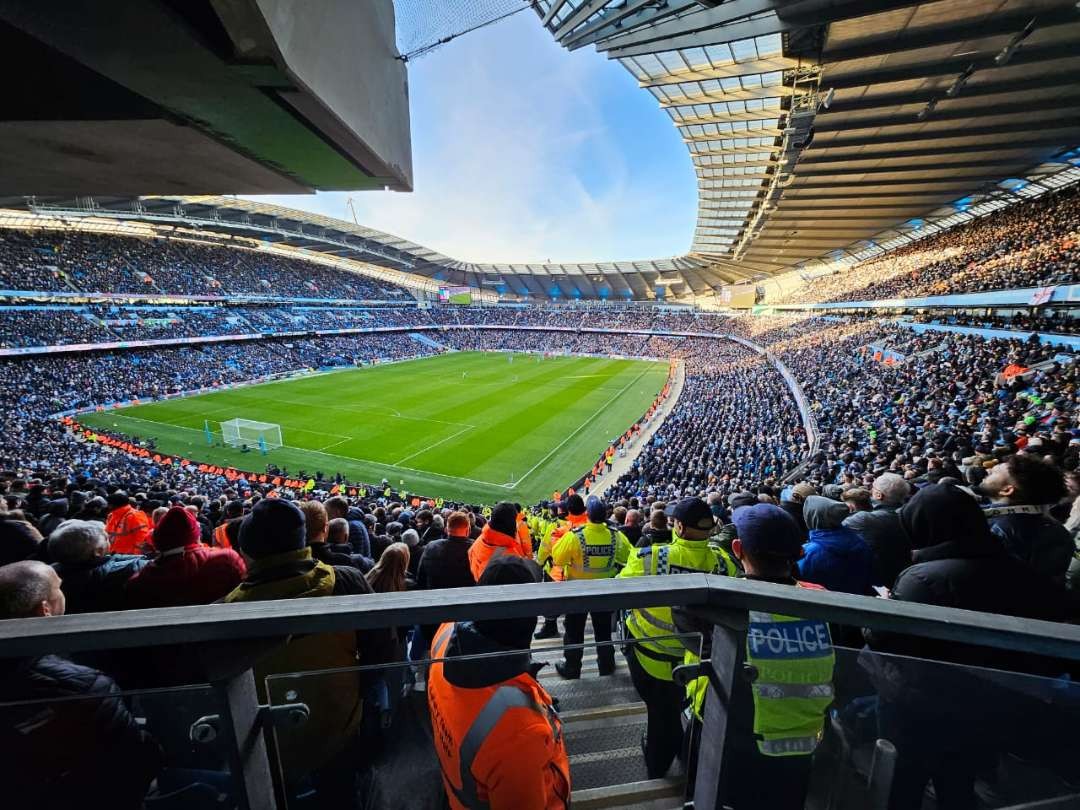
<point x="834" y="557"/>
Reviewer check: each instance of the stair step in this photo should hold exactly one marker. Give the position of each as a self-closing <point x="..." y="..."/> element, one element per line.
<point x="632" y="708"/>
<point x="648" y="793"/>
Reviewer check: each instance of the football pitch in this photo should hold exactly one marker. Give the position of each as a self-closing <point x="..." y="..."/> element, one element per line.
<point x="472" y="426"/>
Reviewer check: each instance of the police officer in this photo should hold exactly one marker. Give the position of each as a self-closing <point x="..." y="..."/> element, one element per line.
<point x="654" y="652"/>
<point x="498" y="738"/>
<point x="571" y="516"/>
<point x="783" y="677"/>
<point x="590" y="551"/>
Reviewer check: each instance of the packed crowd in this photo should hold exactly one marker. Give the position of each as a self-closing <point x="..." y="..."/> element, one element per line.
<point x="71" y="260"/>
<point x="1031" y="244"/>
<point x="1052" y="322"/>
<point x="877" y="507"/>
<point x="53" y="325"/>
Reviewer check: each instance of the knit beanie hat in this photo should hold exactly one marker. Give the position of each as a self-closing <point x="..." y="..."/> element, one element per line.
<point x="176" y="529"/>
<point x="504" y="518"/>
<point x="273" y="527"/>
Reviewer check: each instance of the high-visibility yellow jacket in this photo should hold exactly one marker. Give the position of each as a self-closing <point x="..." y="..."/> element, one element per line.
<point x="649" y="626"/>
<point x="793" y="660"/>
<point x="592" y="551"/>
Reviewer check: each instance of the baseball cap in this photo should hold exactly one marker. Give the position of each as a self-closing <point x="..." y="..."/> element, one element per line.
<point x="595" y="509"/>
<point x="693" y="513"/>
<point x="767" y="529"/>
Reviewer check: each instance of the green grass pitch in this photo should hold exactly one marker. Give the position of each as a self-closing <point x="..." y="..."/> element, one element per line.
<point x="475" y="426"/>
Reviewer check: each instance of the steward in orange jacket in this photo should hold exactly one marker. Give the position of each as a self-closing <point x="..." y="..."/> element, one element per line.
<point x="498" y="538"/>
<point x="498" y="737"/>
<point x="128" y="528"/>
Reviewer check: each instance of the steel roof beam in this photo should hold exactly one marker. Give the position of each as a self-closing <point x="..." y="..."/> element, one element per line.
<point x="696" y="30"/>
<point x="720" y="17"/>
<point x="971" y="91"/>
<point x="634" y="13"/>
<point x="731" y="70"/>
<point x="961" y="182"/>
<point x="769" y="132"/>
<point x="998" y="24"/>
<point x="1060" y="103"/>
<point x="724" y="117"/>
<point x="946" y="66"/>
<point x="553" y="9"/>
<point x="1014" y="160"/>
<point x="1072" y="122"/>
<point x="723" y="96"/>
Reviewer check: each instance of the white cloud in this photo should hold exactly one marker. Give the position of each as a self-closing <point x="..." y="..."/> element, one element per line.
<point x="516" y="160"/>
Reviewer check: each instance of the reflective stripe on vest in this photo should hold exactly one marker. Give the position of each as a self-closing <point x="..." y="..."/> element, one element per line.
<point x="504" y="699"/>
<point x="486" y="721"/>
<point x="792" y="690"/>
<point x="589" y="552"/>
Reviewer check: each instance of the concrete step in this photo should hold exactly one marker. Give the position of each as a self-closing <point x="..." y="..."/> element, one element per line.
<point x="648" y="794"/>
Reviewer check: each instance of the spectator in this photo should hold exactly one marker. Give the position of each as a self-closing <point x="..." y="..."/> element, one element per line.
<point x="498" y="537"/>
<point x="338" y="507"/>
<point x="882" y="529"/>
<point x="631" y="527"/>
<point x="128" y="528"/>
<point x="94" y="580"/>
<point x="19" y="539"/>
<point x="1022" y="489"/>
<point x="65" y="727"/>
<point x="793" y="505"/>
<point x="273" y="538"/>
<point x="185" y="572"/>
<point x="339" y="548"/>
<point x="390" y="574"/>
<point x="656" y="532"/>
<point x="835" y="557"/>
<point x="940" y="720"/>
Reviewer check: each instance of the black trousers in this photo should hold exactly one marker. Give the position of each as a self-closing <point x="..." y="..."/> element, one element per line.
<point x="574" y="633"/>
<point x="663" y="703"/>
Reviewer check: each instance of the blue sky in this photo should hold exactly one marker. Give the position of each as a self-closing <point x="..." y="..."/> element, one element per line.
<point x="525" y="152"/>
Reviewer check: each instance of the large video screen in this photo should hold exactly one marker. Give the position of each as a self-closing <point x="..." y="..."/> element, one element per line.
<point x="455" y="295"/>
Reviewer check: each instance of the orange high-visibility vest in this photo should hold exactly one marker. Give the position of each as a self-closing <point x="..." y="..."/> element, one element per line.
<point x="128" y="529"/>
<point x="474" y="728"/>
<point x="490" y="544"/>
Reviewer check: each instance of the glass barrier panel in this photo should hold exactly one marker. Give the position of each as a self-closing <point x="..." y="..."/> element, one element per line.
<point x="373" y="735"/>
<point x="865" y="729"/>
<point x="71" y="738"/>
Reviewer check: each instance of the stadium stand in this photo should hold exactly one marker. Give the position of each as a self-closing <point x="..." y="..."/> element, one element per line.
<point x="1026" y="245"/>
<point x="862" y="457"/>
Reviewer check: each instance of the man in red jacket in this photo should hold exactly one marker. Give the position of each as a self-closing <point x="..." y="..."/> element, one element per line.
<point x="185" y="571"/>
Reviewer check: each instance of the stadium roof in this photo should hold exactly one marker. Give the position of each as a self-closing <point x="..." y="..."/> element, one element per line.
<point x="817" y="128"/>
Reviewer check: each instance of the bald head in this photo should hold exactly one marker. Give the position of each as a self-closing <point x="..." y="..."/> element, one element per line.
<point x="29" y="588"/>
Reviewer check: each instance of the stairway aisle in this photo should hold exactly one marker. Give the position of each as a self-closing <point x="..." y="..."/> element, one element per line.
<point x="603" y="722"/>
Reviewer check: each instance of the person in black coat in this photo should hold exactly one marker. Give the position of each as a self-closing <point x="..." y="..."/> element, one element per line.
<point x="882" y="530"/>
<point x="68" y="737"/>
<point x="445" y="563"/>
<point x="1022" y="489"/>
<point x="946" y="721"/>
<point x="93" y="579"/>
<point x="337" y="550"/>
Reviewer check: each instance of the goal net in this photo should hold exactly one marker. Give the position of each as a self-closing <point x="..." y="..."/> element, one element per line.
<point x="256" y="435"/>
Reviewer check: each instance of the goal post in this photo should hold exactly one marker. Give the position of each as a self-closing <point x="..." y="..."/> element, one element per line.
<point x="255" y="435"/>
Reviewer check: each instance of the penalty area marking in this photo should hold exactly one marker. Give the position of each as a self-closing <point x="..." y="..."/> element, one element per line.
<point x="382" y="464"/>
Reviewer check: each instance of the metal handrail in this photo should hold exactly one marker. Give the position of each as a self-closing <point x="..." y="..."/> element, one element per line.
<point x="247" y="620"/>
